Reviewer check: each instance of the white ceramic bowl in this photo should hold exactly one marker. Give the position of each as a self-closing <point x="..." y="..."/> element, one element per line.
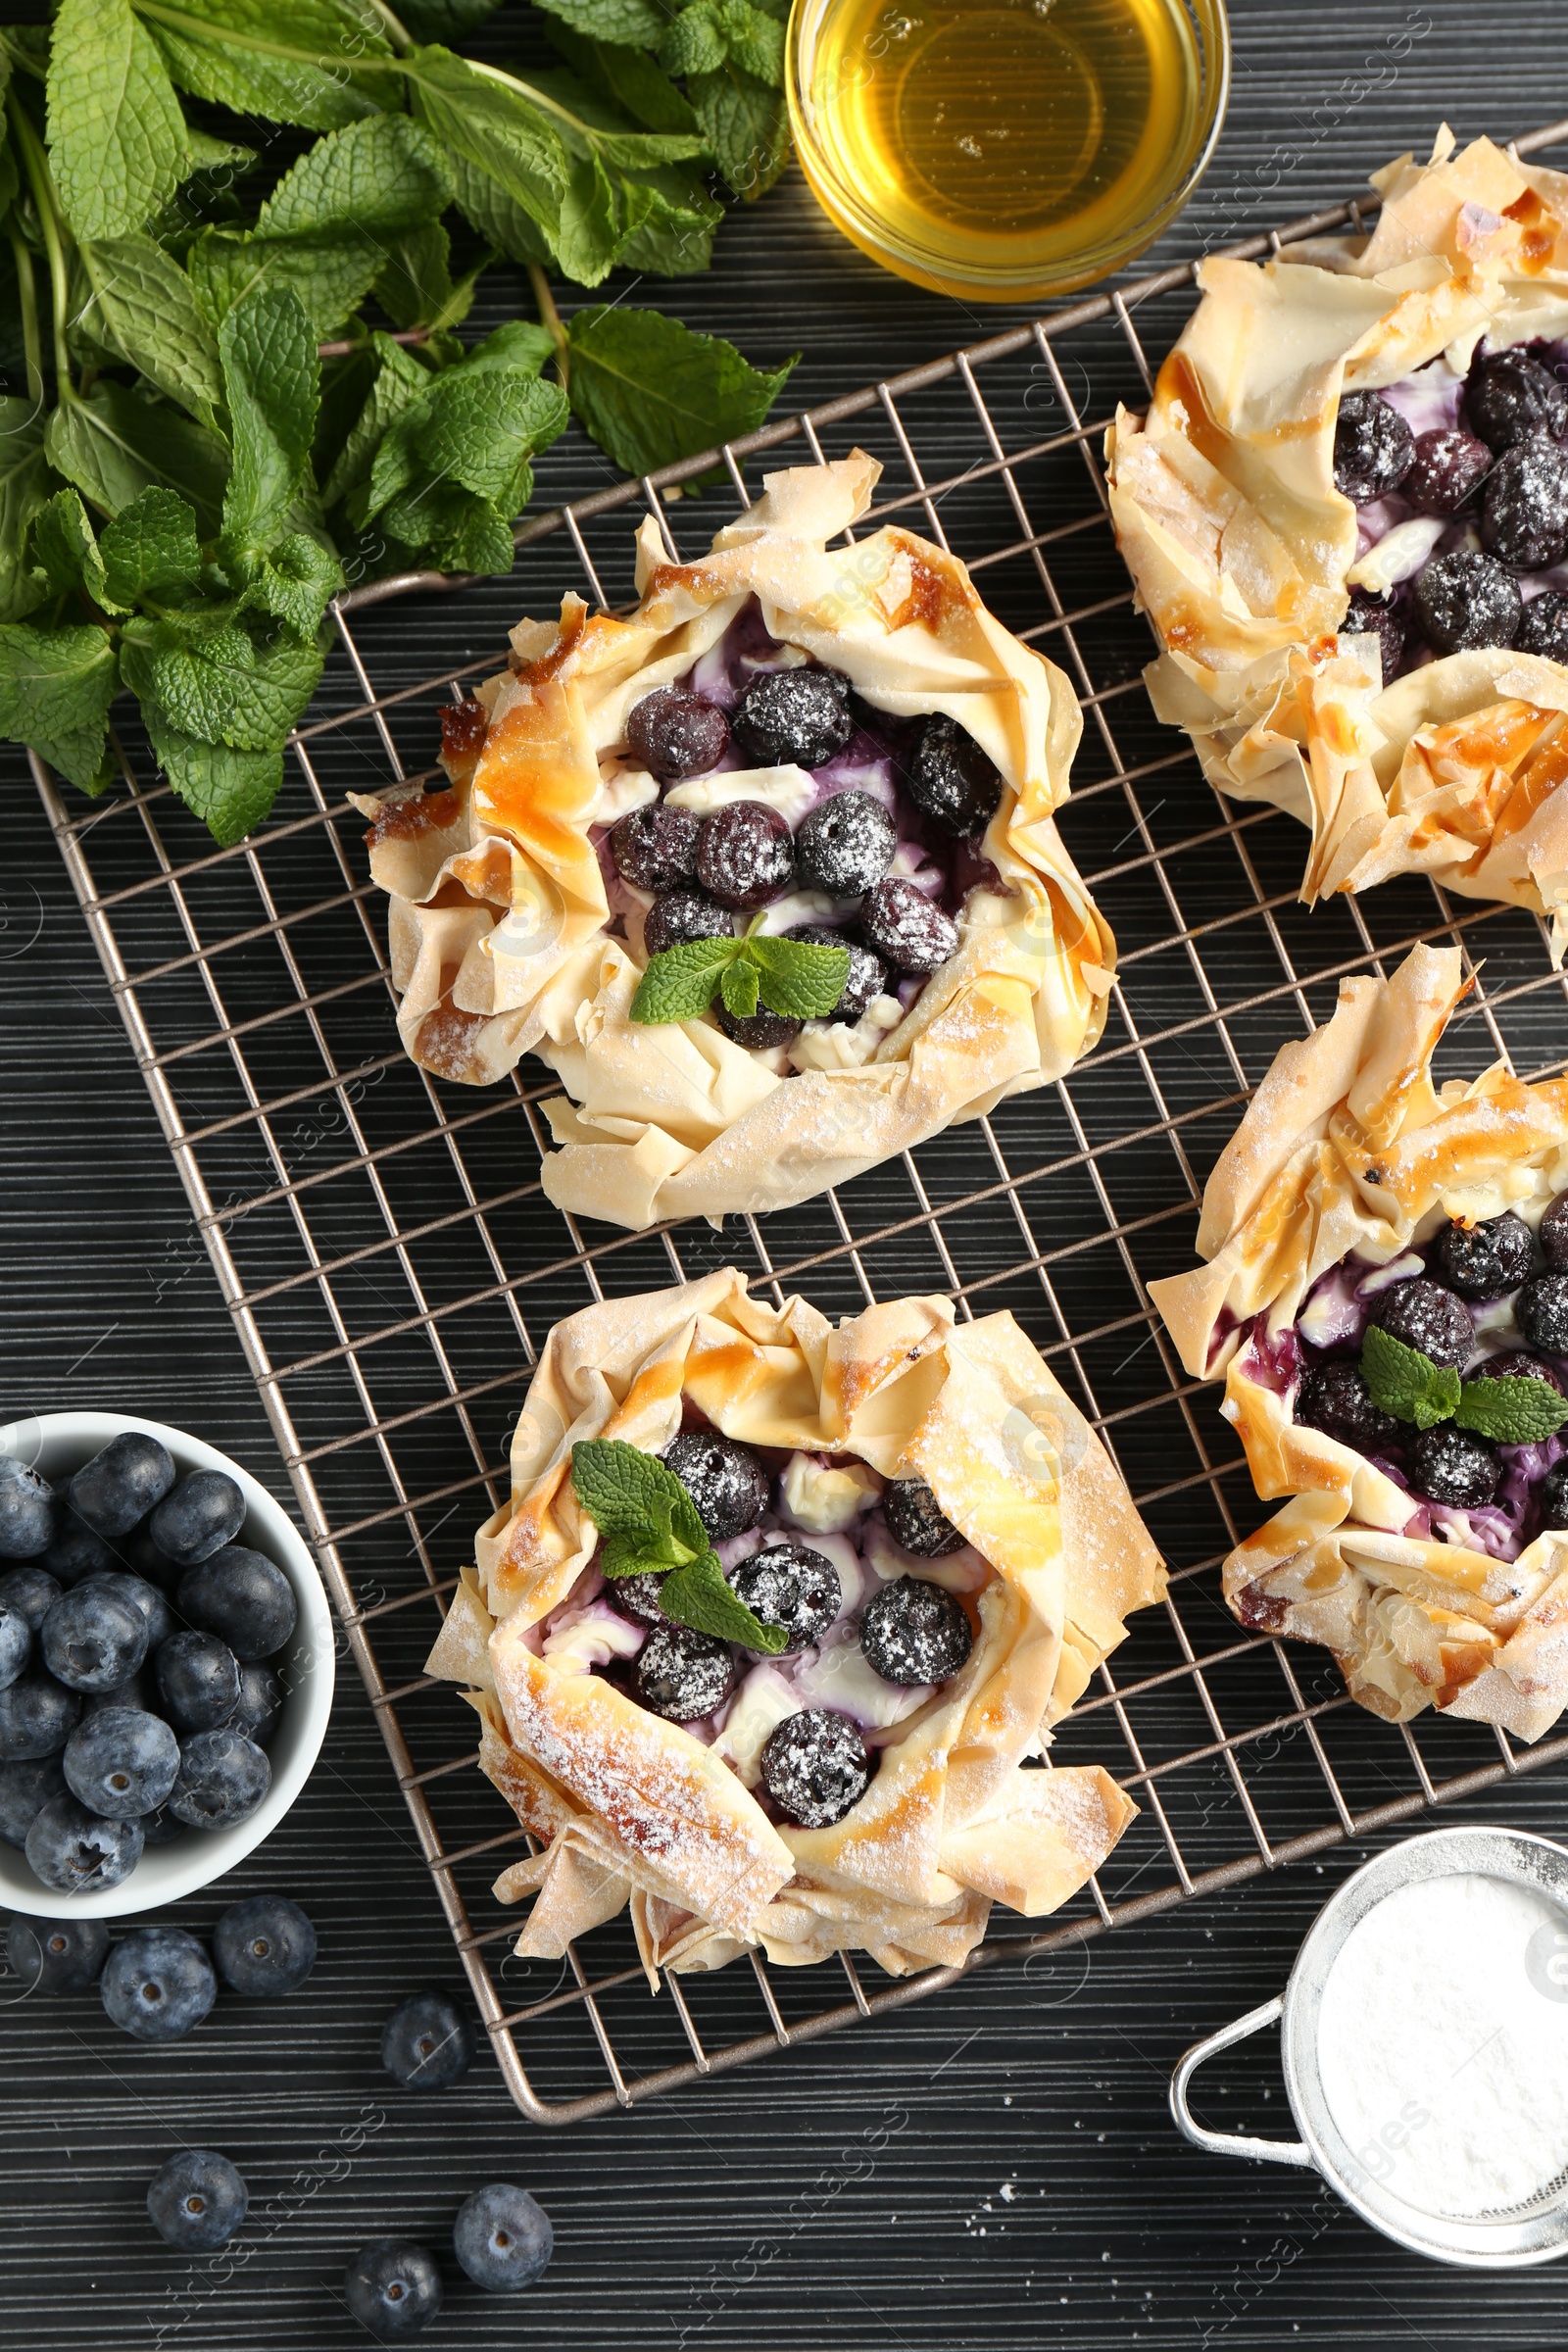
<point x="57" y="1444"/>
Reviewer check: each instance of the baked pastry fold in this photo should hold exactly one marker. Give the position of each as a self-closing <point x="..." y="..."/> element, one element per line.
<point x="631" y="1808"/>
<point x="502" y="936"/>
<point x="1242" y="552"/>
<point x="1350" y="1157"/>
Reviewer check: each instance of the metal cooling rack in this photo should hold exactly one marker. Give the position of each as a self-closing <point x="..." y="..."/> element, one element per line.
<point x="392" y="1265"/>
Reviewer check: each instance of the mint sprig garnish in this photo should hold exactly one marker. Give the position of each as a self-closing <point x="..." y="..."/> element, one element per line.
<point x="649" y="1526"/>
<point x="1514" y="1410"/>
<point x="1510" y="1409"/>
<point x="791" y="976"/>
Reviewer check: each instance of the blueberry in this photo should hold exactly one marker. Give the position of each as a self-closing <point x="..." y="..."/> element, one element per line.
<point x="656" y="848"/>
<point x="1429" y="1318"/>
<point x="761" y="1031"/>
<point x="1541" y="1310"/>
<point x="37" y="1716"/>
<point x="142" y="1557"/>
<point x="637" y="1596"/>
<point x="1488" y="1260"/>
<point x="259" y="1705"/>
<point x="867" y="974"/>
<point x="906" y="928"/>
<point x="914" y="1631"/>
<point x="198" y="1681"/>
<point x="1552" y="1233"/>
<point x="223" y="1778"/>
<point x="1449" y="468"/>
<point x="1544" y="628"/>
<point x="197" y="2201"/>
<point x="1517" y="1365"/>
<point x="793" y="715"/>
<point x="1334" y="1399"/>
<point x="676" y="734"/>
<point x="121" y="1763"/>
<point x="844" y="844"/>
<point x="952" y="780"/>
<point x="1452" y="1465"/>
<point x="15" y="1645"/>
<point x="264" y="1947"/>
<point x="1510" y="397"/>
<point x="1524" y="515"/>
<point x="197" y="1517"/>
<point x="1466" y="600"/>
<point x="138" y="1689"/>
<point x="427" y="2043"/>
<point x="27" y="1511"/>
<point x="155" y="1609"/>
<point x="744" y="856"/>
<point x="683" y="1675"/>
<point x="790" y="1585"/>
<point x="724" y="1479"/>
<point x="915" y="1519"/>
<point x="78" y="1853"/>
<point x="815" y="1768"/>
<point x="158" y="1984"/>
<point x="161" y="1828"/>
<point x="31" y="1591"/>
<point x="91" y="1639"/>
<point x="681" y="915"/>
<point x="1377" y="617"/>
<point x="26" y="1788"/>
<point x="1553" y="1500"/>
<point x="122" y="1484"/>
<point x="243" y="1598"/>
<point x="393" y="2288"/>
<point x="78" y="1550"/>
<point x="1374" y="447"/>
<point x="502" y="2239"/>
<point x="57" y="1955"/>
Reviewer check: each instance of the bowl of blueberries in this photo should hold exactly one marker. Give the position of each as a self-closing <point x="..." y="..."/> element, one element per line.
<point x="165" y="1665"/>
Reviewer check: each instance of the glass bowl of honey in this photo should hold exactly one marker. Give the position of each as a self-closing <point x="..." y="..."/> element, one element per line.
<point x="1005" y="150"/>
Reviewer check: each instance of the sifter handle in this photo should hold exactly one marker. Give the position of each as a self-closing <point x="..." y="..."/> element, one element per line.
<point x="1230" y="2143"/>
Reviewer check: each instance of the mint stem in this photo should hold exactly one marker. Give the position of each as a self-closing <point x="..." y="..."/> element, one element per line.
<point x="28" y="291"/>
<point x="36" y="164"/>
<point x="550" y="316"/>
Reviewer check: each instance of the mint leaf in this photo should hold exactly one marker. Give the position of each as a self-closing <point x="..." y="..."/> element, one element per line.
<point x="372" y="179"/>
<point x="296" y="583"/>
<point x="499" y="219"/>
<point x="627" y="81"/>
<point x="331" y="276"/>
<point x="24" y="491"/>
<point x="652" y="391"/>
<point x="799" y="978"/>
<point x="755" y="41"/>
<point x="481" y="424"/>
<point x="146" y="309"/>
<point x="113" y="446"/>
<point x="117" y="136"/>
<point x="271" y="381"/>
<point x="64" y="544"/>
<point x="216" y="686"/>
<point x="56" y="686"/>
<point x="738" y="986"/>
<point x="1405" y="1382"/>
<point x="445" y="19"/>
<point x="492" y="127"/>
<point x="699" y="1596"/>
<point x="746" y="126"/>
<point x="453" y="530"/>
<point x="518" y="343"/>
<point x="151" y="546"/>
<point x="628" y="24"/>
<point x="281" y="89"/>
<point x="415" y="288"/>
<point x="400" y="381"/>
<point x="630" y="1493"/>
<point x="680" y="983"/>
<point x="229" y="790"/>
<point x="1513" y="1410"/>
<point x="695" y="42"/>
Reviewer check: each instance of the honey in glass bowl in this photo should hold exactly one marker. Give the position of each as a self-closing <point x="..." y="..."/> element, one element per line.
<point x="1005" y="149"/>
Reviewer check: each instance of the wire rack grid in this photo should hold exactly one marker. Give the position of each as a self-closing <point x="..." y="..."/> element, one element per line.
<point x="392" y="1265"/>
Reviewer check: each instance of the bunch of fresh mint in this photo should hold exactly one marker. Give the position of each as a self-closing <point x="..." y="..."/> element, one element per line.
<point x="649" y="1525"/>
<point x="1515" y="1409"/>
<point x="234" y="377"/>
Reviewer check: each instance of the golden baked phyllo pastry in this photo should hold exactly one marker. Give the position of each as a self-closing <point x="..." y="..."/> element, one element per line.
<point x="1385" y="1291"/>
<point x="765" y="871"/>
<point x="1346" y="516"/>
<point x="777" y="1617"/>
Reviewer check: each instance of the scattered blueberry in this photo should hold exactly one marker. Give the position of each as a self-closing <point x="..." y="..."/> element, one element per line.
<point x="37" y="1716"/>
<point x="78" y="1550"/>
<point x="815" y="1768"/>
<point x="1510" y="397"/>
<point x="263" y="1946"/>
<point x="393" y="2288"/>
<point x="197" y="2201"/>
<point x="1523" y="515"/>
<point x="197" y="1517"/>
<point x="259" y="1705"/>
<point x="1377" y="617"/>
<point x="31" y="1591"/>
<point x="907" y="929"/>
<point x="637" y="1596"/>
<point x="1452" y="1465"/>
<point x="761" y="1031"/>
<point x="656" y="848"/>
<point x="155" y="1608"/>
<point x="1466" y="600"/>
<point x="502" y="2239"/>
<point x="1334" y="1399"/>
<point x="952" y="780"/>
<point x="1448" y="469"/>
<point x="915" y="1519"/>
<point x="427" y="2043"/>
<point x="1552" y="1233"/>
<point x="243" y="1598"/>
<point x="844" y="844"/>
<point x="15" y="1645"/>
<point x="793" y="715"/>
<point x="27" y="1511"/>
<point x="681" y="915"/>
<point x="77" y="1852"/>
<point x="198" y="1681"/>
<point x="724" y="1479"/>
<point x="867" y="974"/>
<point x="1544" y="628"/>
<point x="790" y="1585"/>
<point x="91" y="1638"/>
<point x="223" y="1778"/>
<point x="1374" y="447"/>
<point x="122" y="1484"/>
<point x="744" y="856"/>
<point x="1427" y="1318"/>
<point x="1488" y="1260"/>
<point x="676" y="734"/>
<point x="26" y="1788"/>
<point x="121" y="1763"/>
<point x="683" y="1675"/>
<point x="1553" y="1497"/>
<point x="57" y="1955"/>
<point x="158" y="1984"/>
<point x="1541" y="1310"/>
<point x="914" y="1631"/>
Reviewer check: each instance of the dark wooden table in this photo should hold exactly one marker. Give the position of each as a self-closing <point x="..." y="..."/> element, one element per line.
<point x="994" y="2167"/>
